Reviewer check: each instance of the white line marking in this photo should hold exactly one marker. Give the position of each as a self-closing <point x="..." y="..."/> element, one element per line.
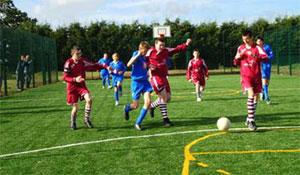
<point x="137" y="137"/>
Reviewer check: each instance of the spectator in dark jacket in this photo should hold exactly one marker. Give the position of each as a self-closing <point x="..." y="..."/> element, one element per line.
<point x="20" y="73"/>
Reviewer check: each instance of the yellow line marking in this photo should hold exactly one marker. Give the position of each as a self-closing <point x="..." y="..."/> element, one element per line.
<point x="247" y="152"/>
<point x="204" y="165"/>
<point x="189" y="157"/>
<point x="223" y="172"/>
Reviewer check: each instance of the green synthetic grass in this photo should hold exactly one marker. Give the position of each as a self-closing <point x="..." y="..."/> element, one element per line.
<point x="39" y="118"/>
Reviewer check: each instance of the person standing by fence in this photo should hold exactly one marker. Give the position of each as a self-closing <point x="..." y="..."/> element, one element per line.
<point x="28" y="71"/>
<point x="20" y="73"/>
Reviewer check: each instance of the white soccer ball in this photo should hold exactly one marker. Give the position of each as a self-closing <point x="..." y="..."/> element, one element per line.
<point x="223" y="124"/>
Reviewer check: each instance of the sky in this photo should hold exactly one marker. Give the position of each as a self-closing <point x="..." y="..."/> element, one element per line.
<point x="63" y="12"/>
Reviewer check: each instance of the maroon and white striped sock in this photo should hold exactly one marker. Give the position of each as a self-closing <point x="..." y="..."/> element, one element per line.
<point x="251" y="109"/>
<point x="155" y="103"/>
<point x="87" y="113"/>
<point x="163" y="110"/>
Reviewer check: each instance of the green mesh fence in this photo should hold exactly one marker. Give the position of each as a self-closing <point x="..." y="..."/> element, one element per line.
<point x="41" y="50"/>
<point x="285" y="43"/>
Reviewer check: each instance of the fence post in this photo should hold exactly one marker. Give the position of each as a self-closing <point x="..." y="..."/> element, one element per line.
<point x="278" y="56"/>
<point x="223" y="33"/>
<point x="5" y="45"/>
<point x="289" y="52"/>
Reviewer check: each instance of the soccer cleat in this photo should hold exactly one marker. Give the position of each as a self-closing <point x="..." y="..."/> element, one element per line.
<point x="268" y="101"/>
<point x="73" y="126"/>
<point x="103" y="87"/>
<point x="152" y="112"/>
<point x="167" y="122"/>
<point x="138" y="127"/>
<point x="199" y="99"/>
<point x="109" y="87"/>
<point x="117" y="103"/>
<point x="251" y="125"/>
<point x="88" y="124"/>
<point x="126" y="111"/>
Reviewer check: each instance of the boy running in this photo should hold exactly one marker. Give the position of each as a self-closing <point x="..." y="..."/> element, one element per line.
<point x="117" y="71"/>
<point x="139" y="84"/>
<point x="249" y="58"/>
<point x="74" y="76"/>
<point x="158" y="56"/>
<point x="196" y="73"/>
<point x="104" y="73"/>
<point x="265" y="69"/>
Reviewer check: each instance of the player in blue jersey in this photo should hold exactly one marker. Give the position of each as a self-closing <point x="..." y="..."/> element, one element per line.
<point x="104" y="73"/>
<point x="139" y="84"/>
<point x="265" y="69"/>
<point x="117" y="71"/>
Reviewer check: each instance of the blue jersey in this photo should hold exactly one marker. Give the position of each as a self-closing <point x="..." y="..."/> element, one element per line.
<point x="117" y="67"/>
<point x="139" y="68"/>
<point x="266" y="66"/>
<point x="105" y="62"/>
<point x="269" y="52"/>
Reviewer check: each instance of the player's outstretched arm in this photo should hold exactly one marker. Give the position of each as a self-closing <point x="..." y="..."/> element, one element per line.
<point x="91" y="66"/>
<point x="179" y="48"/>
<point x="133" y="59"/>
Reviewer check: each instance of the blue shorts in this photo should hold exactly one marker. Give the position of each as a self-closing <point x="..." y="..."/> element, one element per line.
<point x="139" y="87"/>
<point x="104" y="74"/>
<point x="266" y="71"/>
<point x="116" y="80"/>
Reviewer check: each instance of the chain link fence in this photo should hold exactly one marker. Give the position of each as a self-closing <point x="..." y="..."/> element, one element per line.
<point x="40" y="68"/>
<point x="285" y="43"/>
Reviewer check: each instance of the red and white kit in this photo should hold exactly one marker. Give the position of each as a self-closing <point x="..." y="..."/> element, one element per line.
<point x="74" y="69"/>
<point x="197" y="71"/>
<point x="250" y="66"/>
<point x="158" y="66"/>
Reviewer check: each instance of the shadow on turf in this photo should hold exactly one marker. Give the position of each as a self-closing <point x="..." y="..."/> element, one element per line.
<point x="29" y="107"/>
<point x="41" y="111"/>
<point x="235" y="119"/>
<point x="262" y="118"/>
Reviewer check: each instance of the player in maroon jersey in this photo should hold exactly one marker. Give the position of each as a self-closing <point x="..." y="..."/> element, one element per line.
<point x="74" y="75"/>
<point x="197" y="73"/>
<point x="249" y="58"/>
<point x="157" y="57"/>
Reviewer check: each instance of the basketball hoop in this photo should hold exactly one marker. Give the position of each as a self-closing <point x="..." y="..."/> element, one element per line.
<point x="161" y="32"/>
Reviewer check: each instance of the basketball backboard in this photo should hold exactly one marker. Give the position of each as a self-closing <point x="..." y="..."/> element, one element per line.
<point x="161" y="31"/>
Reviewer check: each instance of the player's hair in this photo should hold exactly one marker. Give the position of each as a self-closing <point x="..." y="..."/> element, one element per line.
<point x="159" y="40"/>
<point x="260" y="38"/>
<point x="116" y="55"/>
<point x="196" y="50"/>
<point x="144" y="44"/>
<point x="75" y="47"/>
<point x="247" y="32"/>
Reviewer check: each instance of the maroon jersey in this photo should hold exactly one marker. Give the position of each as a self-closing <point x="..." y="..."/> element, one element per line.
<point x="158" y="60"/>
<point x="250" y="60"/>
<point x="197" y="69"/>
<point x="74" y="69"/>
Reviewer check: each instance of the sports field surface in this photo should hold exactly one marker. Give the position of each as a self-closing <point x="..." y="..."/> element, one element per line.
<point x="35" y="137"/>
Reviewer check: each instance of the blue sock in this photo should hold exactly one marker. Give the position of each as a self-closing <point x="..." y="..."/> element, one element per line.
<point x="117" y="95"/>
<point x="266" y="93"/>
<point x="141" y="116"/>
<point x="127" y="108"/>
<point x="103" y="81"/>
<point x="120" y="89"/>
<point x="108" y="81"/>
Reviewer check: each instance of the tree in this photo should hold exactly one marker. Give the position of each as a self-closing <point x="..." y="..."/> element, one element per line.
<point x="12" y="17"/>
